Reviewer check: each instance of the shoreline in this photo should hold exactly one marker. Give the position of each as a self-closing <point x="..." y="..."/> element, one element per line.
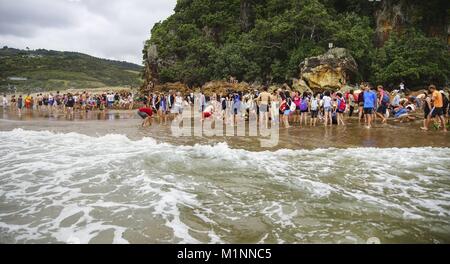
<point x="127" y="123"/>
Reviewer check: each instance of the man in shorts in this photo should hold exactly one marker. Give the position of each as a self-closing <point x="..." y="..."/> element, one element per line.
<point x="263" y="102"/>
<point x="370" y="99"/>
<point x="438" y="104"/>
<point x="145" y="113"/>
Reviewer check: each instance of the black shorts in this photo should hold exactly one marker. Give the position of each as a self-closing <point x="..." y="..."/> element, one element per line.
<point x="314" y="113"/>
<point x="368" y="111"/>
<point x="340" y="111"/>
<point x="143" y="115"/>
<point x="437" y="111"/>
<point x="426" y="114"/>
<point x="382" y="109"/>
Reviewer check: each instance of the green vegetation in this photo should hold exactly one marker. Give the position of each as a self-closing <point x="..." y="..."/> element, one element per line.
<point x="54" y="70"/>
<point x="266" y="40"/>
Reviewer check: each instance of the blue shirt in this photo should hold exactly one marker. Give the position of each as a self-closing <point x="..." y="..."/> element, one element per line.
<point x="396" y="101"/>
<point x="370" y="99"/>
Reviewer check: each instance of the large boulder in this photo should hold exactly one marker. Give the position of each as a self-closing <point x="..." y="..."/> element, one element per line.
<point x="301" y="86"/>
<point x="328" y="71"/>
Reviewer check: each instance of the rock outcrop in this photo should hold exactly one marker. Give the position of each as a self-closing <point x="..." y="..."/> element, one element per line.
<point x="223" y="87"/>
<point x="151" y="70"/>
<point x="327" y="71"/>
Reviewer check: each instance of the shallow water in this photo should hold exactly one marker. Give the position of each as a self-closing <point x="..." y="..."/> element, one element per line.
<point x="105" y="187"/>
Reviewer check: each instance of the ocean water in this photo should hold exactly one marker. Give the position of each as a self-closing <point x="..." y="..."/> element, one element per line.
<point x="74" y="188"/>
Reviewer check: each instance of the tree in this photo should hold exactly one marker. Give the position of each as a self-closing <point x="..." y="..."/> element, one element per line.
<point x="412" y="57"/>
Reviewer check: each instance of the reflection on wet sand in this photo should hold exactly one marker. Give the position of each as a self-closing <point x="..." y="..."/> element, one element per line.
<point x="128" y="123"/>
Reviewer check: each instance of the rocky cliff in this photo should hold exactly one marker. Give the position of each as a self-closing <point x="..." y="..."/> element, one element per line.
<point x="327" y="71"/>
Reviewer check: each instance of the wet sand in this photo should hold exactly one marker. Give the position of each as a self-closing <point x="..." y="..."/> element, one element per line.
<point x="353" y="135"/>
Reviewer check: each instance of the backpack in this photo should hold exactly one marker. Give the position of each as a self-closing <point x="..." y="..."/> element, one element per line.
<point x="293" y="106"/>
<point x="304" y="105"/>
<point x="386" y="99"/>
<point x="283" y="107"/>
<point x="341" y="105"/>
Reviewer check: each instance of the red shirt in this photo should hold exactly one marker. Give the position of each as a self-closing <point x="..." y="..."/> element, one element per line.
<point x="146" y="110"/>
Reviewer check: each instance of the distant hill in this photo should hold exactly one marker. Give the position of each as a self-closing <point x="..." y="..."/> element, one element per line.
<point x="41" y="70"/>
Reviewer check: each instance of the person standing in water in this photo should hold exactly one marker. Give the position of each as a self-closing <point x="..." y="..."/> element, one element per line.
<point x="351" y="103"/>
<point x="314" y="106"/>
<point x="361" y="102"/>
<point x="426" y="110"/>
<point x="304" y="108"/>
<point x="236" y="108"/>
<point x="263" y="103"/>
<point x="4" y="102"/>
<point x="438" y="104"/>
<point x="340" y="109"/>
<point x="383" y="103"/>
<point x="70" y="104"/>
<point x="20" y="104"/>
<point x="28" y="101"/>
<point x="327" y="108"/>
<point x="370" y="99"/>
<point x="275" y="108"/>
<point x="13" y="102"/>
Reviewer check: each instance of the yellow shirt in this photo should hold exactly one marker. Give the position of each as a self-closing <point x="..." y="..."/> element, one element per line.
<point x="437" y="99"/>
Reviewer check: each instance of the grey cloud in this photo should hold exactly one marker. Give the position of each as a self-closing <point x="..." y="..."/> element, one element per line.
<point x="22" y="16"/>
<point x="113" y="29"/>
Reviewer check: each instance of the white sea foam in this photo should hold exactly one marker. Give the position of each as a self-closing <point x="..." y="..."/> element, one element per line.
<point x="74" y="188"/>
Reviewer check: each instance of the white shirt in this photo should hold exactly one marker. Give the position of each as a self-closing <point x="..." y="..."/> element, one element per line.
<point x="326" y="101"/>
<point x="314" y="104"/>
<point x="209" y="109"/>
<point x="110" y="97"/>
<point x="5" y="101"/>
<point x="179" y="101"/>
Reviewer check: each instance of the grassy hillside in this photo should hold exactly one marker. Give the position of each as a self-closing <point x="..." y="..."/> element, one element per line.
<point x="55" y="70"/>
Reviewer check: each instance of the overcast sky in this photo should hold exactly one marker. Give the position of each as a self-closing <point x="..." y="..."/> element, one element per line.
<point x="114" y="29"/>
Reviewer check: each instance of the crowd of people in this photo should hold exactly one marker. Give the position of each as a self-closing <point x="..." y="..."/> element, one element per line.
<point x="68" y="102"/>
<point x="291" y="108"/>
<point x="288" y="108"/>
